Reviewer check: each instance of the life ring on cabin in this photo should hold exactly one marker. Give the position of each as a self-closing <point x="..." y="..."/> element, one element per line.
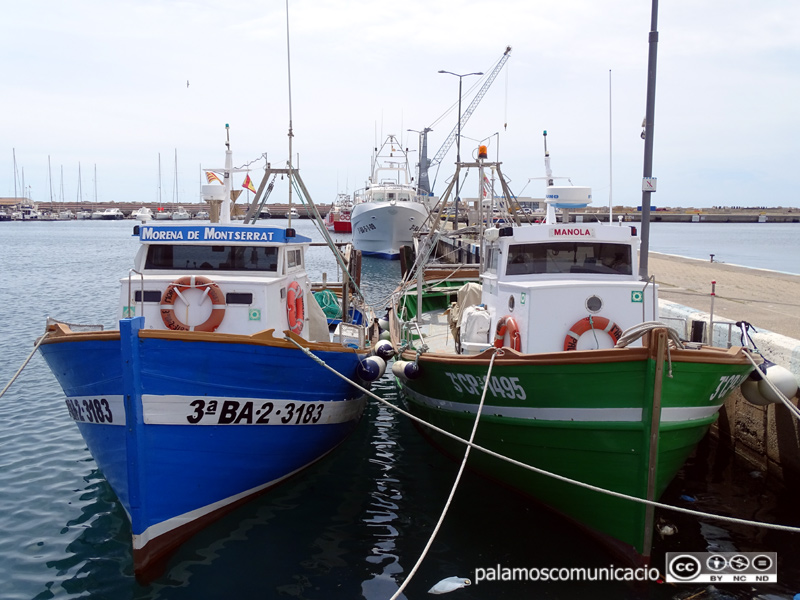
<point x="587" y="324"/>
<point x="189" y="282"/>
<point x="508" y="325"/>
<point x="295" y="308"/>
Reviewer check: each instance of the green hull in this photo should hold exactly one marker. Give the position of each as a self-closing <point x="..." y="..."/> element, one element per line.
<point x="586" y="421"/>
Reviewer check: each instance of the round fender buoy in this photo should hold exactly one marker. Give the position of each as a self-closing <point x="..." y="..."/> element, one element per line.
<point x="384" y="349"/>
<point x="405" y="369"/>
<point x="371" y="368"/>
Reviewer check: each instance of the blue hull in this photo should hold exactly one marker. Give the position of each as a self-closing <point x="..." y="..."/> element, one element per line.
<point x="385" y="255"/>
<point x="185" y="430"/>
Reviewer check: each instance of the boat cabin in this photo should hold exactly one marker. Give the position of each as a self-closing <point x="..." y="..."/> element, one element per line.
<point x="561" y="286"/>
<point x="224" y="278"/>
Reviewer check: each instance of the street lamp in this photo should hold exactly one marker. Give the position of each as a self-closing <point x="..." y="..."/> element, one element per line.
<point x="458" y="135"/>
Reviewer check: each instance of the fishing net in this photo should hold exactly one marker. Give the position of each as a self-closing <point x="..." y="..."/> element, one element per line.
<point x="329" y="303"/>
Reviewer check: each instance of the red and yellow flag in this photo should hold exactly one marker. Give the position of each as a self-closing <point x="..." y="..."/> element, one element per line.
<point x="248" y="184"/>
<point x="212" y="177"/>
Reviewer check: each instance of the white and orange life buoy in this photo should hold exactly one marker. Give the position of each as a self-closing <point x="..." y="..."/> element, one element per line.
<point x="587" y="324"/>
<point x="174" y="291"/>
<point x="508" y="325"/>
<point x="295" y="309"/>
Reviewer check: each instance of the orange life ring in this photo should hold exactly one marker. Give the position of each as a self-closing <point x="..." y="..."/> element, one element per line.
<point x="188" y="282"/>
<point x="508" y="325"/>
<point x="295" y="309"/>
<point x="587" y="324"/>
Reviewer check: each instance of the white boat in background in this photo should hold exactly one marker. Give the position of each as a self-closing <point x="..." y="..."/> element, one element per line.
<point x="143" y="214"/>
<point x="109" y="214"/>
<point x="181" y="214"/>
<point x="83" y="215"/>
<point x="292" y="213"/>
<point x="201" y="214"/>
<point x="66" y="215"/>
<point x="27" y="212"/>
<point x="388" y="212"/>
<point x="162" y="214"/>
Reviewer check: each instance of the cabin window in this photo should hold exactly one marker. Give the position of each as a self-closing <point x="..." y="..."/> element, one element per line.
<point x="149" y="296"/>
<point x="569" y="257"/>
<point x="238" y="298"/>
<point x="176" y="257"/>
<point x="294" y="258"/>
<point x="492" y="259"/>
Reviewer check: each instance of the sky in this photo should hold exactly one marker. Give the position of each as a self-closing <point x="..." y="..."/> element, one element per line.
<point x="99" y="87"/>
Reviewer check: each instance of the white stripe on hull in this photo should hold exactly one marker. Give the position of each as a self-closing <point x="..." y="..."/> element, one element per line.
<point x="584" y="415"/>
<point x="193" y="410"/>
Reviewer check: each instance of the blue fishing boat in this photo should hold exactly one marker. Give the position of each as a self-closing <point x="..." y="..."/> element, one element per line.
<point x="206" y="396"/>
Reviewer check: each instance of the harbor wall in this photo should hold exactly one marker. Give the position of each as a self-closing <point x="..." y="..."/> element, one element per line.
<point x="766" y="436"/>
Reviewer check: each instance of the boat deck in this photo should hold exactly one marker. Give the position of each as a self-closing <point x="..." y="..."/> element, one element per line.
<point x="435" y="331"/>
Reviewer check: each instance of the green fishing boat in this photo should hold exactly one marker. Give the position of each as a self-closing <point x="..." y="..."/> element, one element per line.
<point x="586" y="383"/>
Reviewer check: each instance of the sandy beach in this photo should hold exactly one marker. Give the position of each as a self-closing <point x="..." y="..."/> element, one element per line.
<point x="766" y="299"/>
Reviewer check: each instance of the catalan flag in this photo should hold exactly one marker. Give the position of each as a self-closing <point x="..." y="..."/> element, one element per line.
<point x="248" y="184"/>
<point x="212" y="177"/>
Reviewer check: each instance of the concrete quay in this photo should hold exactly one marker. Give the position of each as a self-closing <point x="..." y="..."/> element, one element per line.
<point x="766" y="436"/>
<point x="689" y="215"/>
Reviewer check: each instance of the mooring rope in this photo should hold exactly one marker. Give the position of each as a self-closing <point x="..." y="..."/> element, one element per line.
<point x="523" y="465"/>
<point x="455" y="483"/>
<point x="24" y="364"/>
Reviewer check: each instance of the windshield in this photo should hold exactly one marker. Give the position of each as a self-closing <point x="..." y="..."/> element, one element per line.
<point x="211" y="258"/>
<point x="569" y="257"/>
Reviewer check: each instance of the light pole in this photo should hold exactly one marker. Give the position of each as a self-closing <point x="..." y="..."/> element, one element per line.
<point x="458" y="136"/>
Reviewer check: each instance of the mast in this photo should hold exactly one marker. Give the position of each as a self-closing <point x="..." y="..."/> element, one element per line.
<point x="175" y="185"/>
<point x="647" y="185"/>
<point x="291" y="134"/>
<point x="225" y="211"/>
<point x="50" y="180"/>
<point x="14" y="154"/>
<point x="550" y="217"/>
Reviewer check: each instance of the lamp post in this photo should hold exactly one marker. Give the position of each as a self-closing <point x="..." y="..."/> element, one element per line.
<point x="458" y="136"/>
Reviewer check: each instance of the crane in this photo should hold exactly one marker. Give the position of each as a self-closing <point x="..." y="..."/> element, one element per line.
<point x="424" y="163"/>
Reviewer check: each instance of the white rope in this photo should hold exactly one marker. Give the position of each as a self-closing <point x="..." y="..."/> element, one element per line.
<point x="24" y="364"/>
<point x="455" y="484"/>
<point x="512" y="461"/>
<point x="786" y="402"/>
<point x="632" y="334"/>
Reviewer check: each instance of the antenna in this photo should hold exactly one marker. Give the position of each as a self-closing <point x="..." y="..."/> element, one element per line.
<point x="291" y="134"/>
<point x="610" y="154"/>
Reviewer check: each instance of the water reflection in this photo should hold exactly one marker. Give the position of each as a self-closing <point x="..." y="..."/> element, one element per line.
<point x="381" y="516"/>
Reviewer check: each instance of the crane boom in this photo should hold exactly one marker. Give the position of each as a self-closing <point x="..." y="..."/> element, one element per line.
<point x="448" y="143"/>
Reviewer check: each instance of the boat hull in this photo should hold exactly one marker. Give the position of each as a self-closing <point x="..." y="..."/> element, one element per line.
<point x="382" y="228"/>
<point x="588" y="421"/>
<point x="185" y="428"/>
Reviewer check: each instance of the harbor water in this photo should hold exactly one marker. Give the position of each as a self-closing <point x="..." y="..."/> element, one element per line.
<point x="354" y="524"/>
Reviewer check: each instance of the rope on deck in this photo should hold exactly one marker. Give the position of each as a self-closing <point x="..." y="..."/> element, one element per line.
<point x="523" y="465"/>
